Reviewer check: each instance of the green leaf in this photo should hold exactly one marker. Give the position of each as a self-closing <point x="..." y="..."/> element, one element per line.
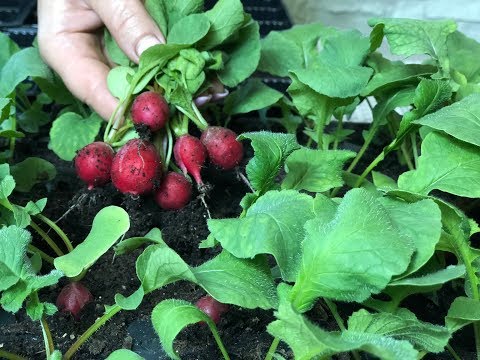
<point x="271" y="150"/>
<point x="23" y="64"/>
<point x="460" y="120"/>
<point x="157" y="9"/>
<point x="22" y="218"/>
<point x="430" y="95"/>
<point x="393" y="74"/>
<point x="345" y="48"/>
<point x="17" y="277"/>
<point x="414" y="37"/>
<point x="130" y="244"/>
<point x="117" y="81"/>
<point x="432" y="279"/>
<point x="7" y="48"/>
<point x="226" y="17"/>
<point x="159" y="265"/>
<point x="189" y="30"/>
<point x="176" y="10"/>
<point x="70" y="133"/>
<point x="13" y="247"/>
<point x="462" y="312"/>
<point x="5" y="105"/>
<point x="243" y="55"/>
<point x="124" y="354"/>
<point x="463" y="53"/>
<point x="169" y="317"/>
<point x="309" y="341"/>
<point x="108" y="225"/>
<point x="114" y="52"/>
<point x="252" y="95"/>
<point x="352" y="246"/>
<point x="333" y="80"/>
<point x="246" y="283"/>
<point x="292" y="49"/>
<point x="7" y="183"/>
<point x="424" y="235"/>
<point x="446" y="164"/>
<point x="403" y="325"/>
<point x="315" y="170"/>
<point x="31" y="120"/>
<point x="272" y="225"/>
<point x="32" y="171"/>
<point x="157" y="55"/>
<point x="309" y="103"/>
<point x="131" y="302"/>
<point x="383" y="181"/>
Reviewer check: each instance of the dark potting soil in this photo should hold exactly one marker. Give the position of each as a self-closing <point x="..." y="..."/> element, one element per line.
<point x="242" y="331"/>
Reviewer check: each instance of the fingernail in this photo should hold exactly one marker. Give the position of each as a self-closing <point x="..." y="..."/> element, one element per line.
<point x="202" y="100"/>
<point x="145" y="43"/>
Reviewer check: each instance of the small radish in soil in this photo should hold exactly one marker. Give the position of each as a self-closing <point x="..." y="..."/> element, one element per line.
<point x="224" y="150"/>
<point x="190" y="155"/>
<point x="93" y="164"/>
<point x="136" y="167"/>
<point x="174" y="193"/>
<point x="213" y="308"/>
<point x="150" y="109"/>
<point x="73" y="298"/>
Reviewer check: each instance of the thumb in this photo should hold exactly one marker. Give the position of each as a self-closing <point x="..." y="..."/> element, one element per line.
<point x="130" y="25"/>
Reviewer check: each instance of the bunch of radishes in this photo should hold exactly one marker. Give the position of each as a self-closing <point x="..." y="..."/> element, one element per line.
<point x="138" y="169"/>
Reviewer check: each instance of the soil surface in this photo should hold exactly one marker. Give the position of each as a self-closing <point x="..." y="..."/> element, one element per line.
<point x="243" y="331"/>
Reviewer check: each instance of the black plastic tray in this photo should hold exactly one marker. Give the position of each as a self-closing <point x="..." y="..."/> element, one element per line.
<point x="15" y="12"/>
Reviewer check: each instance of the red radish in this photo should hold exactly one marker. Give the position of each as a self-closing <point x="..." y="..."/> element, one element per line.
<point x="224" y="150"/>
<point x="136" y="167"/>
<point x="93" y="164"/>
<point x="174" y="192"/>
<point x="73" y="298"/>
<point x="150" y="109"/>
<point x="212" y="308"/>
<point x="190" y="155"/>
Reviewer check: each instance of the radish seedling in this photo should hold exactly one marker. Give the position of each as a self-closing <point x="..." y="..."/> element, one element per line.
<point x="73" y="298"/>
<point x="150" y="109"/>
<point x="224" y="150"/>
<point x="93" y="164"/>
<point x="136" y="167"/>
<point x="174" y="192"/>
<point x="212" y="307"/>
<point x="190" y="155"/>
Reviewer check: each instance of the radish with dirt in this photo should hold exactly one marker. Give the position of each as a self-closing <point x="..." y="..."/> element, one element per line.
<point x="174" y="193"/>
<point x="93" y="163"/>
<point x="136" y="167"/>
<point x="190" y="155"/>
<point x="224" y="150"/>
<point x="151" y="110"/>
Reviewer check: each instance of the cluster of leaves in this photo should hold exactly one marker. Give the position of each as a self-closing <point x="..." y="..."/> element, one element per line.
<point x="382" y="236"/>
<point x="204" y="48"/>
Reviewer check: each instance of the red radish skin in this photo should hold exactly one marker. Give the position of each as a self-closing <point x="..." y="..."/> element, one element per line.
<point x="136" y="167"/>
<point x="190" y="156"/>
<point x="73" y="298"/>
<point x="174" y="193"/>
<point x="224" y="150"/>
<point x="94" y="163"/>
<point x="213" y="308"/>
<point x="150" y="109"/>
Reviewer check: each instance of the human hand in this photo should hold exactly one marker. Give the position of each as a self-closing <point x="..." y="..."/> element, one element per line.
<point x="70" y="39"/>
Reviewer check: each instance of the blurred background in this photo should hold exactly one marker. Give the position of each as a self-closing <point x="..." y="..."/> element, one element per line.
<point x="354" y="13"/>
